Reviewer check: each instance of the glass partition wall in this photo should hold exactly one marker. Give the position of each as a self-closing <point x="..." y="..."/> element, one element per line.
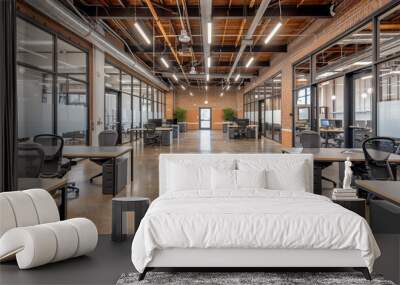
<point x="349" y="90"/>
<point x="52" y="85"/>
<point x="262" y="106"/>
<point x="129" y="102"/>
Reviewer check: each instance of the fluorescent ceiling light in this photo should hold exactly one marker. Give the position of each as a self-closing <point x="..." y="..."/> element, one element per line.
<point x="164" y="62"/>
<point x="228" y="87"/>
<point x="333" y="97"/>
<point x="358" y="63"/>
<point x="209" y="61"/>
<point x="142" y="33"/>
<point x="249" y="62"/>
<point x="174" y="76"/>
<point x="209" y="32"/>
<point x="183" y="87"/>
<point x="237" y="77"/>
<point x="207" y="77"/>
<point x="325" y="83"/>
<point x="206" y="87"/>
<point x="273" y="32"/>
<point x="302" y="79"/>
<point x="366" y="77"/>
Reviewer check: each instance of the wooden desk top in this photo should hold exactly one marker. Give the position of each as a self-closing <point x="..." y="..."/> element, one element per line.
<point x="337" y="154"/>
<point x="49" y="184"/>
<point x="164" y="129"/>
<point x="95" y="151"/>
<point x="387" y="190"/>
<point x="333" y="130"/>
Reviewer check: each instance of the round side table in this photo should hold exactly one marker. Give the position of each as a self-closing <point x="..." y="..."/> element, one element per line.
<point x="139" y="205"/>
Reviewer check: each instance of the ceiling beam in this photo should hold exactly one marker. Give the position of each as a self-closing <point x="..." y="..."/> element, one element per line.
<point x="216" y="49"/>
<point x="218" y="12"/>
<point x="203" y="76"/>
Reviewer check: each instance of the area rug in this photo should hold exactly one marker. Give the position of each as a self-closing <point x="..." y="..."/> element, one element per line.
<point x="243" y="278"/>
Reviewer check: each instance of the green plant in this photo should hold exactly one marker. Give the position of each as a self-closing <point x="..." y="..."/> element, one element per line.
<point x="228" y="114"/>
<point x="180" y="114"/>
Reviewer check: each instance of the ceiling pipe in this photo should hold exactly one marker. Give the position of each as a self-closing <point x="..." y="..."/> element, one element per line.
<point x="56" y="11"/>
<point x="248" y="38"/>
<point x="205" y="10"/>
<point x="160" y="26"/>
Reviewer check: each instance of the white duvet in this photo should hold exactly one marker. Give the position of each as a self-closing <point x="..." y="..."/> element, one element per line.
<point x="250" y="219"/>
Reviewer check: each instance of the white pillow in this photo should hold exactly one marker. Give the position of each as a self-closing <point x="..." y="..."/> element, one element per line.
<point x="251" y="178"/>
<point x="290" y="178"/>
<point x="223" y="179"/>
<point x="182" y="177"/>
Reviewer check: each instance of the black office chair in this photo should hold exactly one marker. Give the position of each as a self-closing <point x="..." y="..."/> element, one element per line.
<point x="30" y="157"/>
<point x="377" y="151"/>
<point x="106" y="138"/>
<point x="150" y="135"/>
<point x="311" y="139"/>
<point x="54" y="165"/>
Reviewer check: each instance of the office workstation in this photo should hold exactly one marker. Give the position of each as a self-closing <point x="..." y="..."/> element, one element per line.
<point x="131" y="130"/>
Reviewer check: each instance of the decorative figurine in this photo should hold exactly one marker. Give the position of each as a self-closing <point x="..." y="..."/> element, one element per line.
<point x="348" y="173"/>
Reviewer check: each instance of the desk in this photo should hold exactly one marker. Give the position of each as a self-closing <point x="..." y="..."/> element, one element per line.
<point x="235" y="126"/>
<point x="387" y="190"/>
<point x="166" y="135"/>
<point x="51" y="185"/>
<point x="175" y="130"/>
<point x="182" y="127"/>
<point x="255" y="127"/>
<point x="111" y="152"/>
<point x="328" y="131"/>
<point x="333" y="155"/>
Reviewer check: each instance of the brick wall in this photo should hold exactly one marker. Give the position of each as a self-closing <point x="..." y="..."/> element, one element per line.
<point x="215" y="102"/>
<point x="318" y="34"/>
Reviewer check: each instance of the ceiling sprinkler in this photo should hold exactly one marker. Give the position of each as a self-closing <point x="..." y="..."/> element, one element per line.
<point x="183" y="37"/>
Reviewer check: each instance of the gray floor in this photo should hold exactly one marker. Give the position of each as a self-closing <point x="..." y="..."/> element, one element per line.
<point x="103" y="266"/>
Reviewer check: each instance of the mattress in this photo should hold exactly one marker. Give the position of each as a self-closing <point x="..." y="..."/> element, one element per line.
<point x="250" y="219"/>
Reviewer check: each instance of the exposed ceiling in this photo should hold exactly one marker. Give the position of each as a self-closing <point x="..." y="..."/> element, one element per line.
<point x="163" y="20"/>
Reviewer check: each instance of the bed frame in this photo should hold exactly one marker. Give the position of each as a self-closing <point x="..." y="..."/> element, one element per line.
<point x="242" y="259"/>
<point x="250" y="259"/>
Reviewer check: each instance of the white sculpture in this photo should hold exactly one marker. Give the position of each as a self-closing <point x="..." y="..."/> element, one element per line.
<point x="348" y="173"/>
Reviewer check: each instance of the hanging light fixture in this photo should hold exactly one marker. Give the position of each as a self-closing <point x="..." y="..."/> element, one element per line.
<point x="221" y="94"/>
<point x="273" y="32"/>
<point x="209" y="32"/>
<point x="183" y="87"/>
<point x="174" y="77"/>
<point x="164" y="62"/>
<point x="249" y="62"/>
<point x="190" y="93"/>
<point x="228" y="87"/>
<point x="142" y="33"/>
<point x="237" y="77"/>
<point x="209" y="61"/>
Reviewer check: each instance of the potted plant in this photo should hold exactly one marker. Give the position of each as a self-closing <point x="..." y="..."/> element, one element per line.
<point x="228" y="114"/>
<point x="180" y="114"/>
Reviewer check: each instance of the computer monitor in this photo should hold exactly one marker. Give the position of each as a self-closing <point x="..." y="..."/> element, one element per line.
<point x="156" y="122"/>
<point x="243" y="122"/>
<point x="338" y="124"/>
<point x="325" y="123"/>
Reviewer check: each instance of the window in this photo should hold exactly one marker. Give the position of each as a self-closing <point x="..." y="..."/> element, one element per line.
<point x="302" y="73"/>
<point x="349" y="53"/>
<point x="37" y="75"/>
<point x="112" y="77"/>
<point x="331" y="100"/>
<point x="389" y="99"/>
<point x="35" y="102"/>
<point x="35" y="47"/>
<point x="389" y="33"/>
<point x="302" y="112"/>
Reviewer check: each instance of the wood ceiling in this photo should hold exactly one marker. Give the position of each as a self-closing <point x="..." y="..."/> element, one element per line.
<point x="230" y="18"/>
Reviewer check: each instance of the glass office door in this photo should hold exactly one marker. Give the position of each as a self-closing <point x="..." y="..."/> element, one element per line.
<point x="261" y="118"/>
<point x="362" y="98"/>
<point x="112" y="111"/>
<point x="205" y="118"/>
<point x="302" y="115"/>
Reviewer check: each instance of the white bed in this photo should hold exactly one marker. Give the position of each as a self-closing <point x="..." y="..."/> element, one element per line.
<point x="194" y="225"/>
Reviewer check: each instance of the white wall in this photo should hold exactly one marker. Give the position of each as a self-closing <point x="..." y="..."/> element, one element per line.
<point x="389" y="118"/>
<point x="98" y="94"/>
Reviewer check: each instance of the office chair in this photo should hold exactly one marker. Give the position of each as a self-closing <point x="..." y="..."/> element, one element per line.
<point x="106" y="138"/>
<point x="311" y="139"/>
<point x="151" y="136"/>
<point x="30" y="157"/>
<point x="54" y="166"/>
<point x="377" y="151"/>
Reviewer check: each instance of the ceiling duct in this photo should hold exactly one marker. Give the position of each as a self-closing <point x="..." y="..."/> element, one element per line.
<point x="56" y="11"/>
<point x="205" y="10"/>
<point x="248" y="38"/>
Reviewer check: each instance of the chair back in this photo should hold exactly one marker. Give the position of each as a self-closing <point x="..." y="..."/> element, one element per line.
<point x="52" y="146"/>
<point x="30" y="159"/>
<point x="151" y="128"/>
<point x="377" y="151"/>
<point x="108" y="138"/>
<point x="310" y="139"/>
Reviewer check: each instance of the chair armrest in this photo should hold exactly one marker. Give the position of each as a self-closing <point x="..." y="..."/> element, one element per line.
<point x="45" y="243"/>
